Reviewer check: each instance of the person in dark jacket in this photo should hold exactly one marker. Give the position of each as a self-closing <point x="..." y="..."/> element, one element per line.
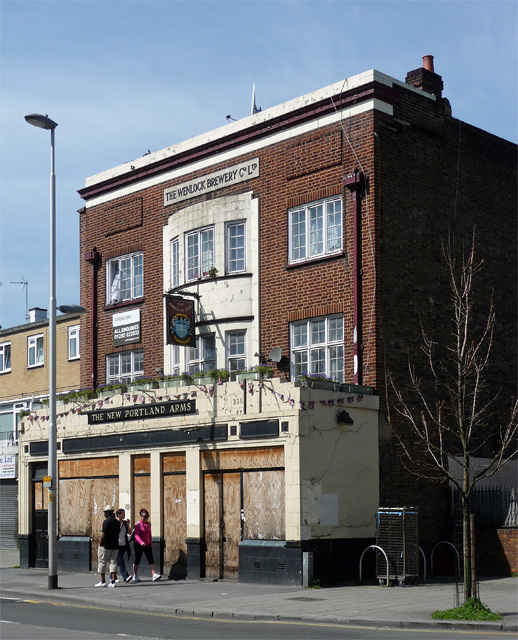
<point x="124" y="532"/>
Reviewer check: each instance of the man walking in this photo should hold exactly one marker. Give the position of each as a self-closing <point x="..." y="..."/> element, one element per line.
<point x="108" y="548"/>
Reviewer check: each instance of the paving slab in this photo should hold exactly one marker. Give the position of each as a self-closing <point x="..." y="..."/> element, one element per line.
<point x="402" y="607"/>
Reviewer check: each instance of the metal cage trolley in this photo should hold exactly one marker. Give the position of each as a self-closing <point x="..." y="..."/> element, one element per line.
<point x="397" y="535"/>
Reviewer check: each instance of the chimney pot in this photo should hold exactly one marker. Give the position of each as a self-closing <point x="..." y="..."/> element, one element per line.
<point x="428" y="63"/>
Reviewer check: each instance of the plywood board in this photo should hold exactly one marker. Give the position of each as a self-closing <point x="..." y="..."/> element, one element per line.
<point x="264" y="505"/>
<point x="249" y="458"/>
<point x="213" y="488"/>
<point x="75" y="507"/>
<point x="175" y="526"/>
<point x="142" y="498"/>
<point x="89" y="467"/>
<point x="173" y="462"/>
<point x="142" y="464"/>
<point x="38" y="495"/>
<point x="231" y="524"/>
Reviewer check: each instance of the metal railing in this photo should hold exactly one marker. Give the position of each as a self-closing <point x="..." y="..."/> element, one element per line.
<point x="494" y="507"/>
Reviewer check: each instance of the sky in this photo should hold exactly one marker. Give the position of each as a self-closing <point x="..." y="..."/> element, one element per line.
<point x="121" y="77"/>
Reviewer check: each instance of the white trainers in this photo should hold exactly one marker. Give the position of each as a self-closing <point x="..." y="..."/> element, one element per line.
<point x="111" y="585"/>
<point x="136" y="579"/>
<point x="117" y="580"/>
<point x="157" y="576"/>
<point x="100" y="584"/>
<point x="128" y="579"/>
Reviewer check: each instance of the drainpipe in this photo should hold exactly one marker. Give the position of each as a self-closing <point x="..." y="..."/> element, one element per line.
<point x="355" y="182"/>
<point x="94" y="258"/>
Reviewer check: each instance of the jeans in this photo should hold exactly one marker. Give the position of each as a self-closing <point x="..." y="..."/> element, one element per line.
<point x="121" y="563"/>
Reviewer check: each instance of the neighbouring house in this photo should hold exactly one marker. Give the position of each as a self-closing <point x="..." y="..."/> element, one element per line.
<point x="24" y="386"/>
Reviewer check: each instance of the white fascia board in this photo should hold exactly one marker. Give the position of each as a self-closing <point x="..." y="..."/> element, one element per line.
<point x="240" y="125"/>
<point x="369" y="105"/>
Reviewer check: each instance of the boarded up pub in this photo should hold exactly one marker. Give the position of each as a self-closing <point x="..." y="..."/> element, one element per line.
<point x="246" y="292"/>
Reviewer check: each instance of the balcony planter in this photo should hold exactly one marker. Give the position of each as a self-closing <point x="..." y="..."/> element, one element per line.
<point x="108" y="390"/>
<point x="245" y="376"/>
<point x="169" y="383"/>
<point x="320" y="383"/>
<point x="143" y="384"/>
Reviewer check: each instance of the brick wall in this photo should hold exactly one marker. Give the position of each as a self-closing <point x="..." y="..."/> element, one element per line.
<point x="497" y="552"/>
<point x="23" y="381"/>
<point x="430" y="178"/>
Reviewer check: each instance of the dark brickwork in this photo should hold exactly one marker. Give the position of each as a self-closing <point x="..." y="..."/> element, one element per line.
<point x="431" y="179"/>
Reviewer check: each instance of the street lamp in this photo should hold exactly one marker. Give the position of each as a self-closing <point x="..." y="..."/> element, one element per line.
<point x="44" y="122"/>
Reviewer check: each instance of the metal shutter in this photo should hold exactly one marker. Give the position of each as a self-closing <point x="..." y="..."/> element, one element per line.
<point x="8" y="514"/>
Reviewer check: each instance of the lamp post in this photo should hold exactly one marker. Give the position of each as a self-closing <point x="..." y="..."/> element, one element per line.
<point x="44" y="122"/>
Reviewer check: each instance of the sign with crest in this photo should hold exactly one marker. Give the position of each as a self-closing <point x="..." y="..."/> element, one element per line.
<point x="180" y="322"/>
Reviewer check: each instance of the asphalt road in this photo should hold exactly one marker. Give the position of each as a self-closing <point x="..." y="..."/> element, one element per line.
<point x="41" y="620"/>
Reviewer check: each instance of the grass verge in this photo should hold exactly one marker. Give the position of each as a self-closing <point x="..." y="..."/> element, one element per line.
<point x="473" y="609"/>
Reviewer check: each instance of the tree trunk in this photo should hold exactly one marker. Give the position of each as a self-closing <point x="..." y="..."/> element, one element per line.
<point x="466" y="547"/>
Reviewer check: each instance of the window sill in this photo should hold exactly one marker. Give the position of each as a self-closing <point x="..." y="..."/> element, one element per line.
<point x="312" y="261"/>
<point x="36" y="366"/>
<point x="5" y="371"/>
<point x="122" y="305"/>
<point x="227" y="276"/>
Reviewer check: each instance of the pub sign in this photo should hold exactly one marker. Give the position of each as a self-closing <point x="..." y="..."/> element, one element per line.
<point x="180" y="322"/>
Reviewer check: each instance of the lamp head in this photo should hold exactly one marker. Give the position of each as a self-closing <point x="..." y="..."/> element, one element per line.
<point x="71" y="308"/>
<point x="42" y="122"/>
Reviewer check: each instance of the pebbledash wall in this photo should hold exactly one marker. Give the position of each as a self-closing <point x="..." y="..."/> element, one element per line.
<point x="398" y="178"/>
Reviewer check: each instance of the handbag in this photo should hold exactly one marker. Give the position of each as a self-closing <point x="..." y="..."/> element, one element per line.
<point x="132" y="536"/>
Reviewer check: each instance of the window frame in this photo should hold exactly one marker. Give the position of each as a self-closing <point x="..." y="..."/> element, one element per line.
<point x="5" y="347"/>
<point x="228" y="249"/>
<point x="124" y="378"/>
<point x="74" y="329"/>
<point x="136" y="279"/>
<point x="198" y="363"/>
<point x="34" y="346"/>
<point x="202" y="267"/>
<point x="314" y="347"/>
<point x="175" y="262"/>
<point x="305" y="212"/>
<point x="234" y="357"/>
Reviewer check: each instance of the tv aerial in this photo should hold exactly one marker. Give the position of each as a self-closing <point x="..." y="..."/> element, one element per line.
<point x="25" y="285"/>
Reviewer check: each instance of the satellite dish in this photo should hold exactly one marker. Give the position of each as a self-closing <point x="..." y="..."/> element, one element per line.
<point x="275" y="354"/>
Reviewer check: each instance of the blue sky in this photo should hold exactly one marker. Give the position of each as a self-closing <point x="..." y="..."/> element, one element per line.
<point x="122" y="77"/>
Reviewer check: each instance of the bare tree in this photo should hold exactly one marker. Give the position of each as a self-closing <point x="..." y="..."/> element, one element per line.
<point x="452" y="411"/>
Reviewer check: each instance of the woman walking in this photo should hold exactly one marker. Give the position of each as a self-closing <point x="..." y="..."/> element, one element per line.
<point x="124" y="531"/>
<point x="142" y="545"/>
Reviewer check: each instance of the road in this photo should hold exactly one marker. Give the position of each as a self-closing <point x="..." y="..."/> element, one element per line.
<point x="43" y="620"/>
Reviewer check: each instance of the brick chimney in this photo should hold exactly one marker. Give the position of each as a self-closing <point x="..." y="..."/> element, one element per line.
<point x="425" y="78"/>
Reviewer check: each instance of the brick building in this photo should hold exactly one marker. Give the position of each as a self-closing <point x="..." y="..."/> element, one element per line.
<point x="24" y="385"/>
<point x="308" y="236"/>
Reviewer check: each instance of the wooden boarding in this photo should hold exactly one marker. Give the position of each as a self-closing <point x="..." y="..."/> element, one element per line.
<point x="81" y="506"/>
<point x="89" y="467"/>
<point x="242" y="458"/>
<point x="175" y="526"/>
<point x="263" y="505"/>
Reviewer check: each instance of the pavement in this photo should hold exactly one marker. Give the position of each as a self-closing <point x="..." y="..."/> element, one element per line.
<point x="367" y="605"/>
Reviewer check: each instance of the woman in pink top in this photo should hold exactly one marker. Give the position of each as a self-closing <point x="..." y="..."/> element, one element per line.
<point x="142" y="545"/>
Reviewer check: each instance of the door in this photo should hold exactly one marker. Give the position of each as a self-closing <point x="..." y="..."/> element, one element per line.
<point x="222" y="524"/>
<point x="41" y="538"/>
<point x="40" y="519"/>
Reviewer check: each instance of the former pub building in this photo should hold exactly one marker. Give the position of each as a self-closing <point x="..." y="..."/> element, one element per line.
<point x="243" y="270"/>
